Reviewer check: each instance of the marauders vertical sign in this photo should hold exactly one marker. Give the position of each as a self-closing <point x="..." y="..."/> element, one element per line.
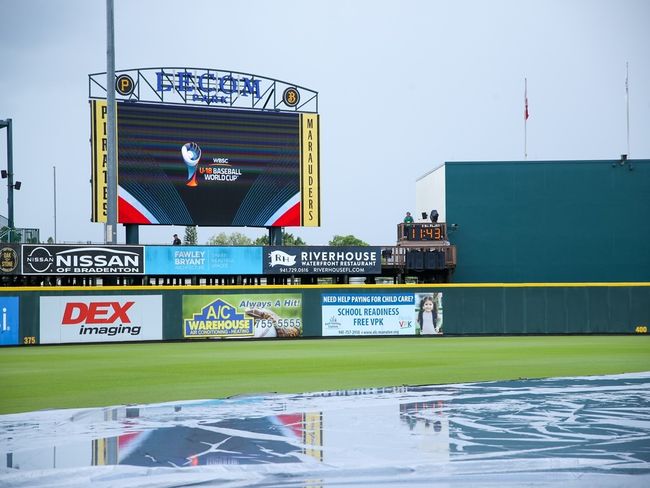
<point x="82" y="260"/>
<point x="309" y="171"/>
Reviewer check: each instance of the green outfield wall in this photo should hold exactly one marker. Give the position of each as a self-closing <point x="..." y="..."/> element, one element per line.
<point x="549" y="221"/>
<point x="122" y="314"/>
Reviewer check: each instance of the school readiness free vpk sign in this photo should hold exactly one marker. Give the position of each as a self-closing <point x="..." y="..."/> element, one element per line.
<point x="208" y="147"/>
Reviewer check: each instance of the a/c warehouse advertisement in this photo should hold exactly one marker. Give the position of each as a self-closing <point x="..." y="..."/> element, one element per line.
<point x="110" y="318"/>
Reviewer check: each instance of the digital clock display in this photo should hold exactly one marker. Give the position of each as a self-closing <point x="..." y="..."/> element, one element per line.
<point x="425" y="232"/>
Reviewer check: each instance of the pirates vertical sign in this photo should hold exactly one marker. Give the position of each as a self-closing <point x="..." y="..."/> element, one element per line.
<point x="309" y="171"/>
<point x="99" y="144"/>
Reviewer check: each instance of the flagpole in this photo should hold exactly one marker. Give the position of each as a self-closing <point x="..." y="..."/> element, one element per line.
<point x="525" y="118"/>
<point x="627" y="106"/>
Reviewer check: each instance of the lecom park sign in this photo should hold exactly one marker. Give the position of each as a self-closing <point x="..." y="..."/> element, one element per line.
<point x="82" y="260"/>
<point x="207" y="87"/>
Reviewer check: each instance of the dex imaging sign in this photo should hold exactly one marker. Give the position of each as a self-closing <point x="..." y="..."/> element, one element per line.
<point x="110" y="318"/>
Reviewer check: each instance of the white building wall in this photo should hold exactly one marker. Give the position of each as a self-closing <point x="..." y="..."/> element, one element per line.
<point x="430" y="194"/>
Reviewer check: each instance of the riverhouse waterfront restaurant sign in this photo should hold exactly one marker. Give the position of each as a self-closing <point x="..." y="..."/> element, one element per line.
<point x="322" y="260"/>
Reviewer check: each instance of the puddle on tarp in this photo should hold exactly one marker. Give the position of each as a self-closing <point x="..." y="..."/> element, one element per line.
<point x="587" y="431"/>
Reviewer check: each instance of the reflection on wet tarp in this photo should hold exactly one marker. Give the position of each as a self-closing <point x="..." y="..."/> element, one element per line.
<point x="571" y="431"/>
<point x="232" y="441"/>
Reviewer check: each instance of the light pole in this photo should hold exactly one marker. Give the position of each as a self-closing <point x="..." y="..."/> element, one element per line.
<point x="111" y="166"/>
<point x="9" y="173"/>
<point x="55" y="241"/>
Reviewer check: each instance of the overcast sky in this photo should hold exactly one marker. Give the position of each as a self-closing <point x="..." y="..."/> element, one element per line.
<point x="403" y="86"/>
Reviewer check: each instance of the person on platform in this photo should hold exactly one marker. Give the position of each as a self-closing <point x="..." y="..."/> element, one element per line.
<point x="428" y="316"/>
<point x="408" y="220"/>
<point x="177" y="240"/>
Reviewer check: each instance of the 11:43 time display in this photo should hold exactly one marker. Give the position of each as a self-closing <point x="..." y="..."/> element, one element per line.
<point x="425" y="232"/>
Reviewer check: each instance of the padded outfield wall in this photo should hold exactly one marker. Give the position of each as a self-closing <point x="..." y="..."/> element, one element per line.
<point x="118" y="314"/>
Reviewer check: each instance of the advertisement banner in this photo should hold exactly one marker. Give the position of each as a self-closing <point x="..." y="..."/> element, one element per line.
<point x="362" y="314"/>
<point x="197" y="260"/>
<point x="45" y="259"/>
<point x="429" y="312"/>
<point x="9" y="321"/>
<point x="329" y="260"/>
<point x="242" y="315"/>
<point x="10" y="259"/>
<point x="110" y="318"/>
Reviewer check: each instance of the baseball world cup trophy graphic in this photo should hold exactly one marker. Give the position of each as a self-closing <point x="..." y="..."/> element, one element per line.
<point x="191" y="155"/>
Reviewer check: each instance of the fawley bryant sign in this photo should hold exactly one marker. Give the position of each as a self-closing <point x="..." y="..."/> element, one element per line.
<point x="322" y="260"/>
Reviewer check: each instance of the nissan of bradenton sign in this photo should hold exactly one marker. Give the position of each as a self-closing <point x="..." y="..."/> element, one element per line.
<point x="75" y="260"/>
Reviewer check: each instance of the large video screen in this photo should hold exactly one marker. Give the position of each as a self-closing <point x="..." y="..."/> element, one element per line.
<point x="189" y="165"/>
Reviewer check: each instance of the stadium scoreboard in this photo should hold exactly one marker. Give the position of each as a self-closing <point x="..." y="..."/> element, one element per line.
<point x="207" y="159"/>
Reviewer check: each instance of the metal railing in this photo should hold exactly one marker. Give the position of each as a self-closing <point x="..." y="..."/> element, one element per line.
<point x="396" y="256"/>
<point x="19" y="235"/>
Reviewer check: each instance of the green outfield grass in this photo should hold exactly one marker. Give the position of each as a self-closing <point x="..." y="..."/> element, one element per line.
<point x="46" y="377"/>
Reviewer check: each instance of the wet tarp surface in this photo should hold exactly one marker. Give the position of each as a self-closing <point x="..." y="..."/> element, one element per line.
<point x="586" y="431"/>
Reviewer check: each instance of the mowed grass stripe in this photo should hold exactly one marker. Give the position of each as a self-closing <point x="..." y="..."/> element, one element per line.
<point x="69" y="376"/>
